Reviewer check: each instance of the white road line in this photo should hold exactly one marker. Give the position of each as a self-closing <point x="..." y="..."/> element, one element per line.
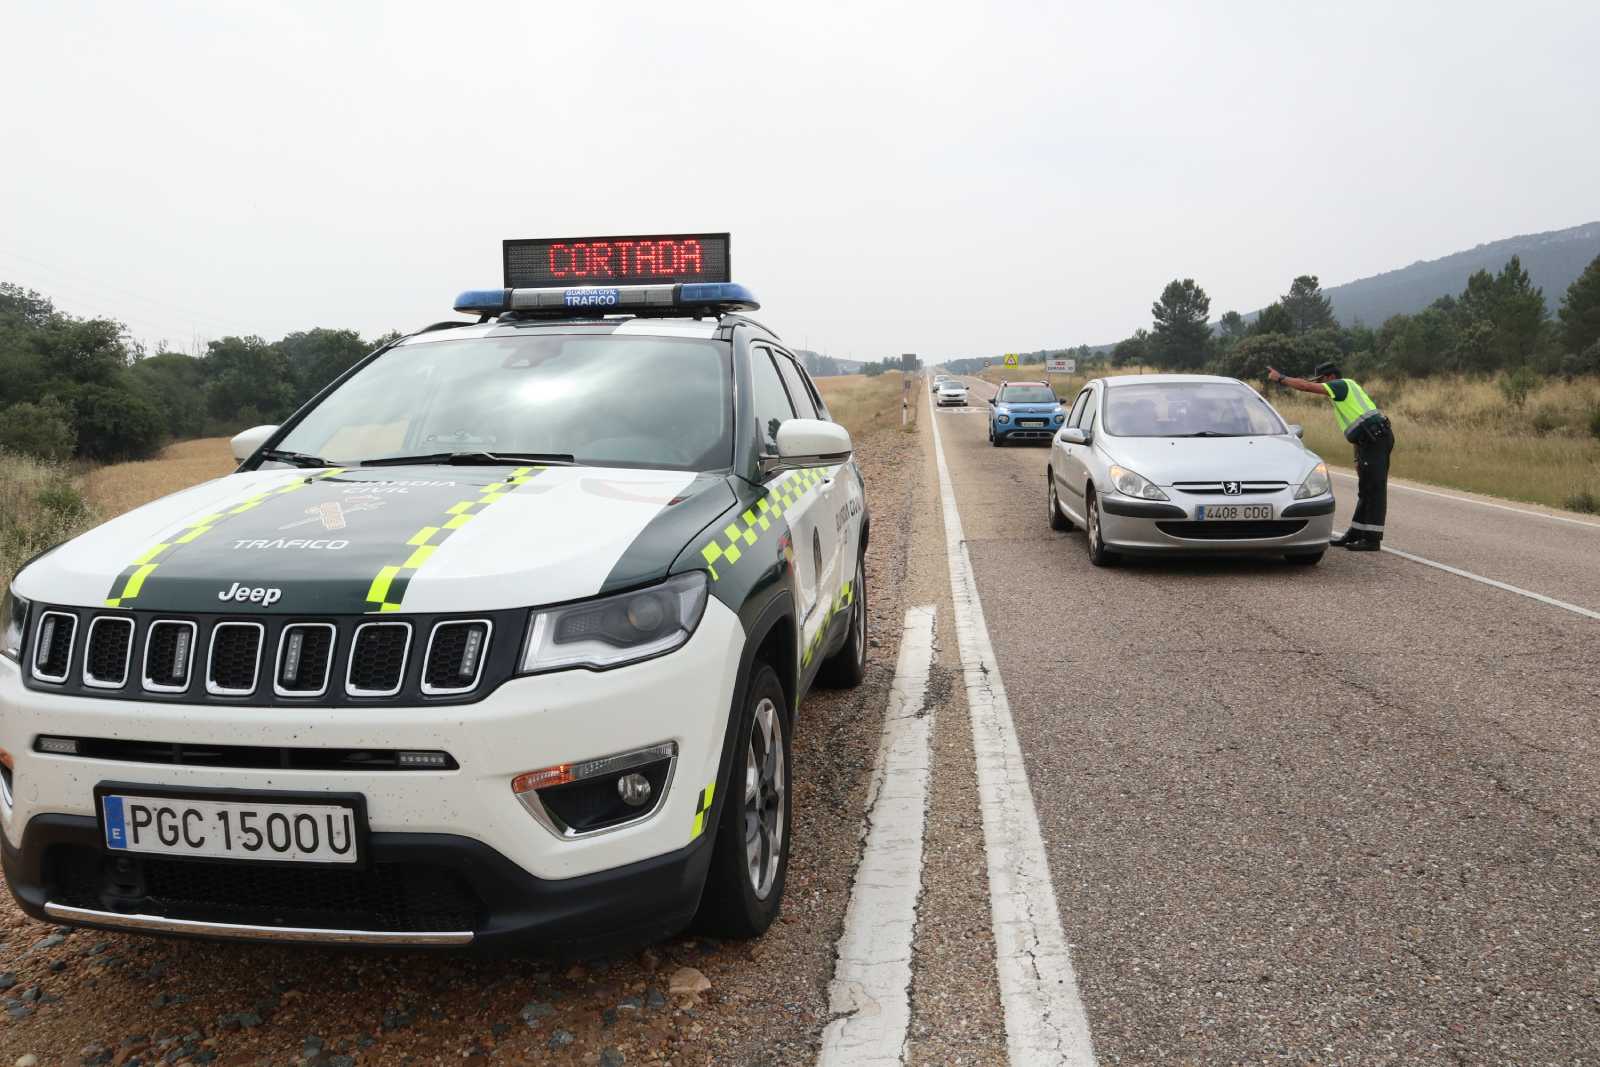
<point x="1481" y="503"/>
<point x="1045" y="1020"/>
<point x="870" y="996"/>
<point x="1530" y="594"/>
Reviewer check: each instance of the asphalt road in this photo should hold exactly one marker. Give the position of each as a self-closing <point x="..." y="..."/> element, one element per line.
<point x="1342" y="814"/>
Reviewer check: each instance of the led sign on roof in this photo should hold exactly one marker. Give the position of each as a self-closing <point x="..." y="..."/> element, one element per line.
<point x="661" y="258"/>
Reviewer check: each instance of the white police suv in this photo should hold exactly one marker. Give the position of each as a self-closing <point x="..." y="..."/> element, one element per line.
<point x="500" y="640"/>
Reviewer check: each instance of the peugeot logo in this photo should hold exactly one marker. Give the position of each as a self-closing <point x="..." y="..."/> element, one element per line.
<point x="1232" y="488"/>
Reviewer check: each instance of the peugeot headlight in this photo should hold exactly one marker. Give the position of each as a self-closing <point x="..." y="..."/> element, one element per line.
<point x="1135" y="485"/>
<point x="13" y="621"/>
<point x="612" y="630"/>
<point x="1316" y="483"/>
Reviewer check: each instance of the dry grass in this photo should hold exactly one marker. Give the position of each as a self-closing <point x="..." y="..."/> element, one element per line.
<point x="861" y="404"/>
<point x="1461" y="432"/>
<point x="125" y="486"/>
<point x="39" y="507"/>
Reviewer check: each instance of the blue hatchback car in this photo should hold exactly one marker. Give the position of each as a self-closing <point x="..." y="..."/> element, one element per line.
<point x="1025" y="411"/>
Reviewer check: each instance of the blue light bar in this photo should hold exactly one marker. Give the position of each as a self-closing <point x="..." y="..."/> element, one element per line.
<point x="589" y="300"/>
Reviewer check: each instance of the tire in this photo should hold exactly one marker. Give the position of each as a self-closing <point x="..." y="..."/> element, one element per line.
<point x="733" y="904"/>
<point x="1058" y="520"/>
<point x="996" y="441"/>
<point x="847" y="667"/>
<point x="1099" y="555"/>
<point x="1304" y="559"/>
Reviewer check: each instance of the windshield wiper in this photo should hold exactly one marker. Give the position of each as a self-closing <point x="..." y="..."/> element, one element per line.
<point x="294" y="459"/>
<point x="474" y="459"/>
<point x="1208" y="433"/>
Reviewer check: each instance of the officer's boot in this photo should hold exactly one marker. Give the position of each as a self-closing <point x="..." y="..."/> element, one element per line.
<point x="1365" y="543"/>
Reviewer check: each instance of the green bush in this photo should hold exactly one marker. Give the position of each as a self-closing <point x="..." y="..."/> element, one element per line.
<point x="1543" y="422"/>
<point x="1515" y="385"/>
<point x="1594" y="423"/>
<point x="116" y="424"/>
<point x="42" y="430"/>
<point x="1584" y="501"/>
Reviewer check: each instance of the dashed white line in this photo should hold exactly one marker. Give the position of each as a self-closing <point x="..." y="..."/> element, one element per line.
<point x="1482" y="503"/>
<point x="1045" y="1020"/>
<point x="870" y="997"/>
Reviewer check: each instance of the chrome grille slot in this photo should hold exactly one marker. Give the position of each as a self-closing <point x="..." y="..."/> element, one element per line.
<point x="168" y="655"/>
<point x="52" y="650"/>
<point x="305" y="659"/>
<point x="235" y="658"/>
<point x="108" y="652"/>
<point x="456" y="652"/>
<point x="378" y="659"/>
<point x="1215" y="488"/>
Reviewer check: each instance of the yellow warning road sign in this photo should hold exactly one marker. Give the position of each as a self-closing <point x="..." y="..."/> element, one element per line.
<point x="1011" y="359"/>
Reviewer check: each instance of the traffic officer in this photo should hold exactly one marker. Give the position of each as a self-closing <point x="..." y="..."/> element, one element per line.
<point x="1368" y="429"/>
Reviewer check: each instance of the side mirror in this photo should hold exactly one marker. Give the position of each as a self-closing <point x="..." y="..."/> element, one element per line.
<point x="991" y="401"/>
<point x="808" y="442"/>
<point x="1073" y="435"/>
<point x="1296" y="429"/>
<point x="245" y="444"/>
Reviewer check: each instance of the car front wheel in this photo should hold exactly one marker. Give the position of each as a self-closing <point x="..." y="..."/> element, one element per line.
<point x="744" y="888"/>
<point x="1058" y="520"/>
<point x="1099" y="555"/>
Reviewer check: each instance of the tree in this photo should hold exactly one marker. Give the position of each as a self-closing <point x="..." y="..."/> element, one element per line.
<point x="1132" y="351"/>
<point x="1273" y="319"/>
<point x="249" y="379"/>
<point x="115" y="423"/>
<point x="1307" y="307"/>
<point x="1181" y="336"/>
<point x="42" y="430"/>
<point x="317" y="357"/>
<point x="1232" y="325"/>
<point x="1504" y="314"/>
<point x="1580" y="311"/>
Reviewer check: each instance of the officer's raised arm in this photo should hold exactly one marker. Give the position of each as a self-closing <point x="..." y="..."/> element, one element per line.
<point x="1296" y="383"/>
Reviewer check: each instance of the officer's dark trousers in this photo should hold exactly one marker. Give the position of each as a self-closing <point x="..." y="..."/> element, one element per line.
<point x="1372" y="481"/>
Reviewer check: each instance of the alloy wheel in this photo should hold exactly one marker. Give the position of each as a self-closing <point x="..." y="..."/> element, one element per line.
<point x="764" y="799"/>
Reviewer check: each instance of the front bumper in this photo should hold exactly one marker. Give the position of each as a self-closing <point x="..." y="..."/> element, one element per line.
<point x="1015" y="430"/>
<point x="527" y="880"/>
<point x="1162" y="527"/>
<point x="949" y="399"/>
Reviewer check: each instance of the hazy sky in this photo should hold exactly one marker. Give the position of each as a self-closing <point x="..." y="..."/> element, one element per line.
<point x="945" y="179"/>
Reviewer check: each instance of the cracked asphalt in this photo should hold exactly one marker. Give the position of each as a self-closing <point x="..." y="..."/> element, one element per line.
<point x="1342" y="814"/>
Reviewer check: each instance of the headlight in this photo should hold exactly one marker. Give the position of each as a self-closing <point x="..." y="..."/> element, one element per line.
<point x="13" y="621"/>
<point x="1135" y="485"/>
<point x="1002" y="418"/>
<point x="1316" y="483"/>
<point x="619" y="629"/>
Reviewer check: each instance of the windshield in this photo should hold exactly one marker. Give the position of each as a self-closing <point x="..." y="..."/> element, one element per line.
<point x="1027" y="394"/>
<point x="605" y="399"/>
<point x="951" y="384"/>
<point x="1188" y="409"/>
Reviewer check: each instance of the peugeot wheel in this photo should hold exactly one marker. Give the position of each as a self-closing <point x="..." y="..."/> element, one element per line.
<point x="744" y="887"/>
<point x="1058" y="519"/>
<point x="1099" y="555"/>
<point x="846" y="667"/>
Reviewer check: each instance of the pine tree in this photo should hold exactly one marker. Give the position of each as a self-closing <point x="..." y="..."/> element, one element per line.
<point x="1308" y="308"/>
<point x="1181" y="337"/>
<point x="1580" y="310"/>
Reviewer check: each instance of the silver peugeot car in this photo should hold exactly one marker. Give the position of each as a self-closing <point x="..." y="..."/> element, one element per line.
<point x="1186" y="463"/>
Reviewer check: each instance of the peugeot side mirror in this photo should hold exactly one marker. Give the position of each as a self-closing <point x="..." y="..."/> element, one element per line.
<point x="1073" y="435"/>
<point x="245" y="444"/>
<point x="1296" y="429"/>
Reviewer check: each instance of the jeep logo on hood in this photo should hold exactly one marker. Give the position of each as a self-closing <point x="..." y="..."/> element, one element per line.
<point x="266" y="596"/>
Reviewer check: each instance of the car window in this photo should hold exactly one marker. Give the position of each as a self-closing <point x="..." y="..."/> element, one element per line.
<point x="1077" y="408"/>
<point x="1027" y="394"/>
<point x="803" y="404"/>
<point x="1091" y="409"/>
<point x="1189" y="409"/>
<point x="666" y="402"/>
<point x="770" y="401"/>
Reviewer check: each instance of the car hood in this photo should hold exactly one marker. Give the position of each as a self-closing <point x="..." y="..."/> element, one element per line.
<point x="423" y="539"/>
<point x="1165" y="460"/>
<point x="1029" y="409"/>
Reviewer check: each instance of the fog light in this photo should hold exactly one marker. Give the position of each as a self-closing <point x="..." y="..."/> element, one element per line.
<point x="634" y="789"/>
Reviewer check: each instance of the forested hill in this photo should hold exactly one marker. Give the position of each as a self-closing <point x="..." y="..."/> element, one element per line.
<point x="1553" y="260"/>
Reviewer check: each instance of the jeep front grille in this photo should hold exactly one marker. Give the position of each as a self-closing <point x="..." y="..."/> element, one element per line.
<point x="168" y="655"/>
<point x="269" y="660"/>
<point x="378" y="659"/>
<point x="455" y="656"/>
<point x="305" y="658"/>
<point x="235" y="658"/>
<point x="52" y="655"/>
<point x="105" y="664"/>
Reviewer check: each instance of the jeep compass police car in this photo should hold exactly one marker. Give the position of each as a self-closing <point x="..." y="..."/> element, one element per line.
<point x="499" y="640"/>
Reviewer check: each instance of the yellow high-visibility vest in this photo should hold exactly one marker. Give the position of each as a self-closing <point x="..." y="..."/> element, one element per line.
<point x="1355" y="410"/>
